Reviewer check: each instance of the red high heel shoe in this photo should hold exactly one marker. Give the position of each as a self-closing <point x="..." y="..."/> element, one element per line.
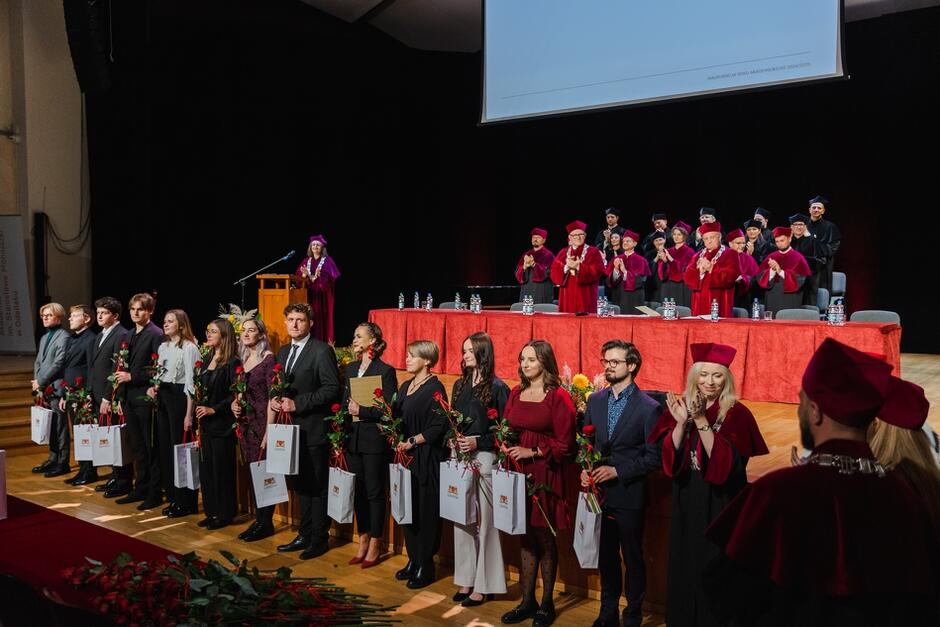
<point x="355" y="560"/>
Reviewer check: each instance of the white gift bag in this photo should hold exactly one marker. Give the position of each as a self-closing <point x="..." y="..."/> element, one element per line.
<point x="342" y="491"/>
<point x="102" y="454"/>
<point x="458" y="493"/>
<point x="186" y="465"/>
<point x="509" y="500"/>
<point x="121" y="445"/>
<point x="400" y="493"/>
<point x="83" y="437"/>
<point x="587" y="533"/>
<point x="40" y="423"/>
<point x="270" y="489"/>
<point x="3" y="484"/>
<point x="283" y="450"/>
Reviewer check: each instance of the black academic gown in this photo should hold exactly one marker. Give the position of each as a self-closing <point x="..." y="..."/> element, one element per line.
<point x="829" y="236"/>
<point x="815" y="253"/>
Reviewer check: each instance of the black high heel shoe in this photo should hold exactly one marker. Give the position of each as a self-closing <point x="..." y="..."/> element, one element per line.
<point x="468" y="602"/>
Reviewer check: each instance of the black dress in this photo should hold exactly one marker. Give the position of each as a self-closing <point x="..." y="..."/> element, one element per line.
<point x="217" y="440"/>
<point x="419" y="416"/>
<point x="367" y="451"/>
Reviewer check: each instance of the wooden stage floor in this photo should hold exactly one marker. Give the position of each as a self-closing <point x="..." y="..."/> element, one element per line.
<point x="431" y="606"/>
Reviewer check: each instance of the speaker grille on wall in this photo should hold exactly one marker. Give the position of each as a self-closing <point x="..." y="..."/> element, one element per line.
<point x="86" y="24"/>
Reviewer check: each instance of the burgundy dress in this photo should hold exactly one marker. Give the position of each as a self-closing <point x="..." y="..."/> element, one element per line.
<point x="320" y="295"/>
<point x="259" y="379"/>
<point x="548" y="425"/>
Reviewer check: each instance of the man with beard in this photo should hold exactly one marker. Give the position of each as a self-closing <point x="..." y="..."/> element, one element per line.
<point x="660" y="225"/>
<point x="612" y="217"/>
<point x="783" y="274"/>
<point x="836" y="540"/>
<point x="577" y="270"/>
<point x="812" y="250"/>
<point x="825" y="233"/>
<point x="533" y="270"/>
<point x="622" y="418"/>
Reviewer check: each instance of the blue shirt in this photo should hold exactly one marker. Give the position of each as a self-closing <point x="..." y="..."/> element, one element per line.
<point x="615" y="407"/>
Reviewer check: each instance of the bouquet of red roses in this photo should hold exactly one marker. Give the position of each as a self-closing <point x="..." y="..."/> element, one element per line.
<point x="588" y="457"/>
<point x="156" y="370"/>
<point x="337" y="436"/>
<point x="391" y="426"/>
<point x="78" y="403"/>
<point x="457" y="422"/>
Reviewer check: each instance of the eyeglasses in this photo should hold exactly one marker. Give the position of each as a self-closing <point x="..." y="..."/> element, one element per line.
<point x="613" y="363"/>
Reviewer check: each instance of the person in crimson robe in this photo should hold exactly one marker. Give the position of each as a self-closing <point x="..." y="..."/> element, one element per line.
<point x="533" y="272"/>
<point x="318" y="273"/>
<point x="712" y="273"/>
<point x="671" y="264"/>
<point x="576" y="270"/>
<point x="836" y="540"/>
<point x="782" y="274"/>
<point x="706" y="215"/>
<point x="627" y="274"/>
<point x="749" y="269"/>
<point x="707" y="439"/>
<point x="654" y="285"/>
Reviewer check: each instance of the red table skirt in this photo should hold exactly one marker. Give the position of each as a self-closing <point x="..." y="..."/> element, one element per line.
<point x="768" y="367"/>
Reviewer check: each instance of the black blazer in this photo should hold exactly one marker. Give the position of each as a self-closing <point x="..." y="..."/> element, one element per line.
<point x="626" y="449"/>
<point x="219" y="397"/>
<point x="468" y="403"/>
<point x="142" y="346"/>
<point x="100" y="365"/>
<point x="364" y="434"/>
<point x="314" y="387"/>
<point x="76" y="360"/>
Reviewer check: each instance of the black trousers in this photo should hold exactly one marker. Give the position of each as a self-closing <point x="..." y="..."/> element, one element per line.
<point x="622" y="535"/>
<point x="311" y="485"/>
<point x="371" y="470"/>
<point x="140" y="416"/>
<point x="423" y="535"/>
<point x="171" y="412"/>
<point x="60" y="437"/>
<point x="217" y="475"/>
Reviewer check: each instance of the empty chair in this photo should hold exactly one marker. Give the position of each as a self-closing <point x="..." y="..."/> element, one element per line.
<point x="614" y="308"/>
<point x="515" y="307"/>
<point x="546" y="307"/>
<point x="875" y="315"/>
<point x="681" y="311"/>
<point x="740" y="312"/>
<point x="838" y="284"/>
<point x="822" y="299"/>
<point x="798" y="314"/>
<point x="448" y="305"/>
<point x="653" y="304"/>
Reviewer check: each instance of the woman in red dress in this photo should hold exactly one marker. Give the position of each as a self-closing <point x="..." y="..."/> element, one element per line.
<point x="319" y="273"/>
<point x="542" y="416"/>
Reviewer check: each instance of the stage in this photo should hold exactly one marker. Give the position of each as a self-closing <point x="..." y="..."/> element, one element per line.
<point x="433" y="605"/>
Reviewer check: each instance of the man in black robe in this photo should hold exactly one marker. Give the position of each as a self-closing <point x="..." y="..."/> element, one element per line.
<point x="812" y="250"/>
<point x="660" y="228"/>
<point x="706" y="215"/>
<point x="836" y="540"/>
<point x="612" y="217"/>
<point x="827" y="234"/>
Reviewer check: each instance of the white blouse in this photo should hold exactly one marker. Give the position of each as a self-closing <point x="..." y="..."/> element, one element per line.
<point x="179" y="363"/>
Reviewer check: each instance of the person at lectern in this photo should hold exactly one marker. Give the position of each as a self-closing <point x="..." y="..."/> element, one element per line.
<point x="318" y="272"/>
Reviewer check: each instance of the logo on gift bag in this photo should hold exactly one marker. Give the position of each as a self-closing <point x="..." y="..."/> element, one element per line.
<point x="452" y="490"/>
<point x="394" y="488"/>
<point x="279" y="444"/>
<point x="270" y="482"/>
<point x="85" y="442"/>
<point x="336" y="490"/>
<point x="581" y="528"/>
<point x="504" y="500"/>
<point x="103" y="442"/>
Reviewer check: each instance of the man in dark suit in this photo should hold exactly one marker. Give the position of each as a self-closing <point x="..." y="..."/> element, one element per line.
<point x="310" y="368"/>
<point x="623" y="418"/>
<point x="144" y="341"/>
<point x="76" y="368"/>
<point x="108" y="314"/>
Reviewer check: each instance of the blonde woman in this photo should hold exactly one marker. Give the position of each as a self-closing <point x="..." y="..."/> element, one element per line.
<point x="709" y="437"/>
<point x="908" y="452"/>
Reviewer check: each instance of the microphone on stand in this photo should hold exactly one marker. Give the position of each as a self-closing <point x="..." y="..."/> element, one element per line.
<point x="289" y="255"/>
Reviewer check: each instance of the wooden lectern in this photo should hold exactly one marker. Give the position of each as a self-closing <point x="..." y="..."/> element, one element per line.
<point x="274" y="294"/>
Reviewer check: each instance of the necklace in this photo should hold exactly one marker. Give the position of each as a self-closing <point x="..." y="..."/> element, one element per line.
<point x="846" y="464"/>
<point x="581" y="258"/>
<point x="413" y="386"/>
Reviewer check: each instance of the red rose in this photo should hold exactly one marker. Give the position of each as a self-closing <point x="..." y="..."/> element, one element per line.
<point x="239" y="370"/>
<point x="377" y="392"/>
<point x="278" y="367"/>
<point x="154" y="356"/>
<point x="492" y="414"/>
<point x="49" y="390"/>
<point x="79" y="381"/>
<point x="124" y="344"/>
<point x="588" y="430"/>
<point x="438" y="396"/>
<point x="198" y="365"/>
<point x="336" y="407"/>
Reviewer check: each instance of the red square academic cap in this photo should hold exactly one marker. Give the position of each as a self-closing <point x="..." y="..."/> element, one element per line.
<point x="782" y="230"/>
<point x="733" y="235"/>
<point x="540" y="232"/>
<point x="710" y="227"/>
<point x="853" y="388"/>
<point x="682" y="226"/>
<point x="575" y="226"/>
<point x="714" y="353"/>
<point x="318" y="238"/>
<point x="631" y="234"/>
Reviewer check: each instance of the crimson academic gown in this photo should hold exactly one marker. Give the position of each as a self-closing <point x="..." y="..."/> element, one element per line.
<point x="715" y="285"/>
<point x="627" y="289"/>
<point x="700" y="491"/>
<point x="320" y="295"/>
<point x="578" y="292"/>
<point x="672" y="274"/>
<point x="785" y="294"/>
<point x="810" y="545"/>
<point x="536" y="281"/>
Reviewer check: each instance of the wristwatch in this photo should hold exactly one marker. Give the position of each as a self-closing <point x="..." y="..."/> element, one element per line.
<point x="535" y="452"/>
<point x="412" y="441"/>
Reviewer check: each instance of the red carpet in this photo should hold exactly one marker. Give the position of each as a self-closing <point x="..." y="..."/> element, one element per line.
<point x="37" y="543"/>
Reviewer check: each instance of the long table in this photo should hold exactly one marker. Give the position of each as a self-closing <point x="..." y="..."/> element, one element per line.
<point x="772" y="355"/>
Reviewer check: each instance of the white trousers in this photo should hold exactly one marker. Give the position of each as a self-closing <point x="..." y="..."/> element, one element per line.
<point x="478" y="556"/>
